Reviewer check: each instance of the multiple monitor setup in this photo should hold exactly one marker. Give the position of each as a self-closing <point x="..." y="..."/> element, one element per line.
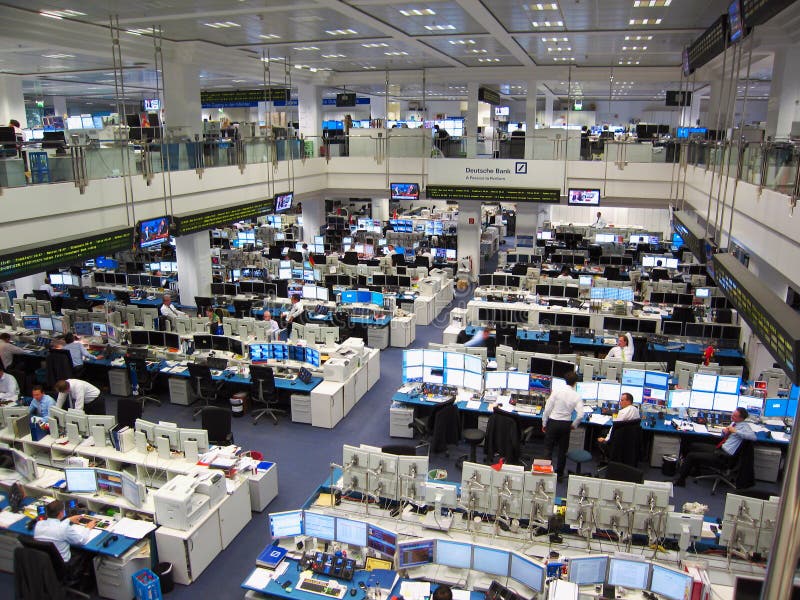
<point x="443" y="368"/>
<point x="646" y="387"/>
<point x="275" y="351"/>
<point x="107" y="482"/>
<point x="630" y="572"/>
<point x="24" y="465"/>
<point x="378" y="475"/>
<point x="177" y="436"/>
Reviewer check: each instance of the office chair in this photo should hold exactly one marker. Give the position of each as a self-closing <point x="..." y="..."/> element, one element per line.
<point x="262" y="380"/>
<point x="621" y="472"/>
<point x="145" y="380"/>
<point x="217" y="422"/>
<point x="39" y="571"/>
<point x="399" y="450"/>
<point x="737" y="472"/>
<point x="507" y="335"/>
<point x="203" y="385"/>
<point x="58" y="365"/>
<point x="242" y="308"/>
<point x="123" y="297"/>
<point x="128" y="410"/>
<point x="440" y="428"/>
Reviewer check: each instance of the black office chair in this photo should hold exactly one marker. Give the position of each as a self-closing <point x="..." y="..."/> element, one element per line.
<point x="121" y="296"/>
<point x="203" y="385"/>
<point x="40" y="572"/>
<point x="41" y="294"/>
<point x="58" y="365"/>
<point x="144" y="379"/>
<point x="399" y="450"/>
<point x="503" y="437"/>
<point x="262" y="382"/>
<point x="202" y="302"/>
<point x="737" y="472"/>
<point x="659" y="274"/>
<point x="622" y="472"/>
<point x="242" y="308"/>
<point x="217" y="422"/>
<point x="507" y="335"/>
<point x="128" y="410"/>
<point x="440" y="428"/>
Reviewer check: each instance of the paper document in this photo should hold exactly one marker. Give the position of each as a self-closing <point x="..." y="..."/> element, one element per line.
<point x="473" y="405"/>
<point x="92" y="533"/>
<point x="461" y="595"/>
<point x="415" y="590"/>
<point x="259" y="579"/>
<point x="780" y="436"/>
<point x="698" y="428"/>
<point x="132" y="528"/>
<point x="7" y="518"/>
<point x="599" y="419"/>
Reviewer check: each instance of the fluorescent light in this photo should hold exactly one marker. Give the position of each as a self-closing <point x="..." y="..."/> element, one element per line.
<point x="58" y="55"/>
<point x="440" y="27"/>
<point x="222" y="25"/>
<point x="375" y="45"/>
<point x="462" y="42"/>
<point x="397" y="53"/>
<point x="555" y="39"/>
<point x="633" y="48"/>
<point x="306" y="48"/>
<point x="141" y="31"/>
<point x="547" y="23"/>
<point x="638" y="38"/>
<point x="269" y="36"/>
<point x="650" y="3"/>
<point x="644" y="22"/>
<point x="341" y="31"/>
<point x="60" y="14"/>
<point x="488" y="60"/>
<point x="333" y="56"/>
<point x="543" y="6"/>
<point x="416" y="12"/>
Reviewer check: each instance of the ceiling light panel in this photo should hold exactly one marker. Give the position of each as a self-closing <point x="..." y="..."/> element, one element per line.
<point x="375" y="45"/>
<point x="341" y="32"/>
<point x="638" y="38"/>
<point x="542" y="24"/>
<point x="651" y="3"/>
<point x="65" y="13"/>
<point x="269" y="36"/>
<point x="222" y="25"/>
<point x="644" y="22"/>
<point x="440" y="27"/>
<point x="543" y="6"/>
<point x="417" y="12"/>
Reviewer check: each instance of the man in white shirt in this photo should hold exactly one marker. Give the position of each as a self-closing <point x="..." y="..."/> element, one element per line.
<point x="47" y="287"/>
<point x="9" y="388"/>
<point x="599" y="223"/>
<point x="627" y="412"/>
<point x="293" y="314"/>
<point x="272" y="324"/>
<point x="623" y="350"/>
<point x="62" y="533"/>
<point x="566" y="273"/>
<point x="8" y="350"/>
<point x="563" y="412"/>
<point x="81" y="395"/>
<point x="169" y="311"/>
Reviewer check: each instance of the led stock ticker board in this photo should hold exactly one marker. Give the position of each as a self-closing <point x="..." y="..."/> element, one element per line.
<point x="35" y="259"/>
<point x="772" y="320"/>
<point x="202" y="220"/>
<point x="493" y="194"/>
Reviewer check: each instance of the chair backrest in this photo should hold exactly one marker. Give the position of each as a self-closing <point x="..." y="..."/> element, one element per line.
<point x="48" y="548"/>
<point x="128" y="410"/>
<point x="264" y="375"/>
<point x="199" y="374"/>
<point x="217" y="422"/>
<point x="139" y="366"/>
<point x="622" y="472"/>
<point x="58" y="365"/>
<point x="399" y="450"/>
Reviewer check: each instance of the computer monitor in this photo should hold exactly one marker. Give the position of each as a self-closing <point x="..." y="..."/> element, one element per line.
<point x="146" y="427"/>
<point x="414" y="553"/>
<point x="194" y="435"/>
<point x="587" y="570"/>
<point x="169" y="432"/>
<point x="322" y="527"/>
<point x="80" y="480"/>
<point x="631" y="574"/>
<point x="78" y="418"/>
<point x="108" y="482"/>
<point x="381" y="540"/>
<point x="453" y="554"/>
<point x="670" y="583"/>
<point x="351" y="532"/>
<point x="25" y="465"/>
<point x="528" y="572"/>
<point x="491" y="560"/>
<point x="286" y="524"/>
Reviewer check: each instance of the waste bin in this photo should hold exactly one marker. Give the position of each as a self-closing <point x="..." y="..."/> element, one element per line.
<point x="237" y="404"/>
<point x="669" y="465"/>
<point x="164" y="572"/>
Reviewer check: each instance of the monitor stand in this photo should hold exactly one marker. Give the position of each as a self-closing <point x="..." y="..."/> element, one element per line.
<point x="432" y="520"/>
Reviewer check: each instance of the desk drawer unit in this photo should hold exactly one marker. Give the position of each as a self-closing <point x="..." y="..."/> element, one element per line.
<point x="180" y="391"/>
<point x="400" y="417"/>
<point x="767" y="463"/>
<point x="118" y="382"/>
<point x="301" y="408"/>
<point x="664" y="444"/>
<point x="378" y="337"/>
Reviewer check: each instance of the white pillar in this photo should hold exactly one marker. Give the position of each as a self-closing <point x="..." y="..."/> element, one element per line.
<point x="471" y="124"/>
<point x="527" y="218"/>
<point x="716" y="105"/>
<point x="469" y="230"/>
<point x="782" y="108"/>
<point x="182" y="111"/>
<point x="60" y="106"/>
<point x="309" y="109"/>
<point x="380" y="208"/>
<point x="26" y="285"/>
<point x="12" y="102"/>
<point x="549" y="98"/>
<point x="692" y="113"/>
<point x="193" y="253"/>
<point x="313" y="218"/>
<point x="530" y="118"/>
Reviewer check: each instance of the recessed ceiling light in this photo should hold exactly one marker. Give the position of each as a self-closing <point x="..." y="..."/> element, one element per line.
<point x="547" y="23"/>
<point x="543" y="6"/>
<point x="488" y="60"/>
<point x="396" y="53"/>
<point x="368" y="67"/>
<point x="60" y="14"/>
<point x="555" y="39"/>
<point x="440" y="27"/>
<point x="272" y="59"/>
<point x="650" y="3"/>
<point x="462" y="42"/>
<point x="477" y="51"/>
<point x="222" y="25"/>
<point x="341" y="31"/>
<point x="141" y="31"/>
<point x="638" y="38"/>
<point x="58" y="55"/>
<point x="644" y="22"/>
<point x="269" y="36"/>
<point x="560" y="49"/>
<point x="306" y="48"/>
<point x="375" y="45"/>
<point x="238" y="80"/>
<point x="633" y="48"/>
<point x="416" y="12"/>
<point x="333" y="56"/>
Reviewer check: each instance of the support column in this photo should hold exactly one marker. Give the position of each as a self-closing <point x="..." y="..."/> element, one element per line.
<point x="692" y="114"/>
<point x="182" y="112"/>
<point x="549" y="99"/>
<point x="60" y="106"/>
<point x="309" y="108"/>
<point x="469" y="230"/>
<point x="530" y="118"/>
<point x="193" y="253"/>
<point x="527" y="218"/>
<point x="471" y="124"/>
<point x="12" y="102"/>
<point x="716" y="105"/>
<point x="313" y="218"/>
<point x="26" y="285"/>
<point x="380" y="208"/>
<point x="782" y="107"/>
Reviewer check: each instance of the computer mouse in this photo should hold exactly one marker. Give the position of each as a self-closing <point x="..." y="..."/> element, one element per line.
<point x="353" y="591"/>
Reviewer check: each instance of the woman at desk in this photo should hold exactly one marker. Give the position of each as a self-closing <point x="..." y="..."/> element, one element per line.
<point x="623" y="350"/>
<point x="214" y="320"/>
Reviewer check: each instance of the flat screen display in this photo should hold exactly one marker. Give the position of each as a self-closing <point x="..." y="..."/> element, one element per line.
<point x="286" y="524"/>
<point x="283" y="202"/>
<point x="453" y="554"/>
<point x="579" y="197"/>
<point x="669" y="583"/>
<point x="490" y="560"/>
<point x="351" y="532"/>
<point x="153" y="232"/>
<point x="628" y="573"/>
<point x="735" y="23"/>
<point x="404" y="191"/>
<point x="322" y="527"/>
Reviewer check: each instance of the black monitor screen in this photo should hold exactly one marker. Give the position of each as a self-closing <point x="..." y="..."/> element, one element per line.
<point x="542" y="366"/>
<point x="139" y="337"/>
<point x="155" y="338"/>
<point x="220" y="343"/>
<point x="202" y="342"/>
<point x="172" y="340"/>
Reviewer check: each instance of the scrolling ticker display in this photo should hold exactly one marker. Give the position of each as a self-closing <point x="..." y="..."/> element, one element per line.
<point x="38" y="258"/>
<point x="773" y="321"/>
<point x="201" y="220"/>
<point x="492" y="194"/>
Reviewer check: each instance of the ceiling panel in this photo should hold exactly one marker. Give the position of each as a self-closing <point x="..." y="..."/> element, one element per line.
<point x="449" y="17"/>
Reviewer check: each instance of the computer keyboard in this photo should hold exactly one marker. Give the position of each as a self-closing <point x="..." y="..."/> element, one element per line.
<point x="324" y="588"/>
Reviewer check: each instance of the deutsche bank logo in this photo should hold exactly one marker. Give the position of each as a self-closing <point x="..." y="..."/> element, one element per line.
<point x="275" y="554"/>
<point x="521" y="168"/>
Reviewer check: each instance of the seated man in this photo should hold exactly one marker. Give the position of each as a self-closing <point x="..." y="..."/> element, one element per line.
<point x="41" y="403"/>
<point x="732" y="437"/>
<point x="628" y="416"/>
<point x="62" y="534"/>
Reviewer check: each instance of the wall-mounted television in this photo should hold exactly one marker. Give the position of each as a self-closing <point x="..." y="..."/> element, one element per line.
<point x="501" y="111"/>
<point x="404" y="191"/>
<point x="153" y="232"/>
<point x="283" y="202"/>
<point x="580" y="197"/>
<point x="151" y="104"/>
<point x="735" y="22"/>
<point x="346" y="99"/>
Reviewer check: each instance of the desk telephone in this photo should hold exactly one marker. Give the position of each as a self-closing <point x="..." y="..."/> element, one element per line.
<point x="324" y="563"/>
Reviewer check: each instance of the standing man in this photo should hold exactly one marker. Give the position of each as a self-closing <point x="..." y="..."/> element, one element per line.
<point x="599" y="223"/>
<point x="563" y="412"/>
<point x="295" y="313"/>
<point x="81" y="395"/>
<point x="732" y="437"/>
